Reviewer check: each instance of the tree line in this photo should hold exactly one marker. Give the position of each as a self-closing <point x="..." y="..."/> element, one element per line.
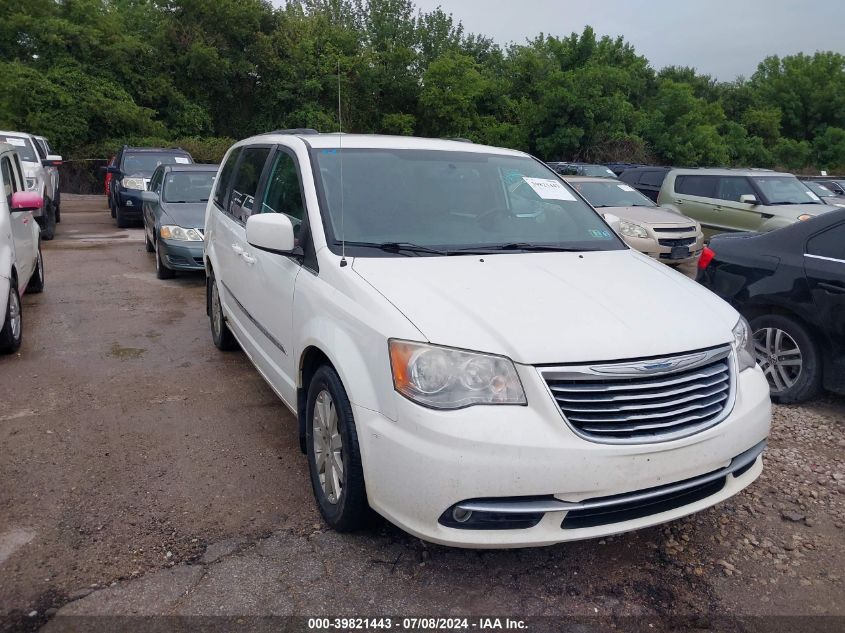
<point x="94" y="74"/>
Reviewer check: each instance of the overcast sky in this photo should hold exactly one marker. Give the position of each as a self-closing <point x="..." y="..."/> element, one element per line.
<point x="724" y="38"/>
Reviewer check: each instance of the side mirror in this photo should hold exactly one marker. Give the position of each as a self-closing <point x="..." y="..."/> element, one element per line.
<point x="112" y="169"/>
<point x="26" y="201"/>
<point x="149" y="196"/>
<point x="748" y="198"/>
<point x="271" y="232"/>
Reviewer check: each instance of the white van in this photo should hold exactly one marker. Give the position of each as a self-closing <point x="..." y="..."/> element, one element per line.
<point x="470" y="349"/>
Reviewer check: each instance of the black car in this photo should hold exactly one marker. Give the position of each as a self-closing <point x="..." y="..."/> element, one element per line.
<point x="646" y="180"/>
<point x="133" y="167"/>
<point x="790" y="285"/>
<point x="582" y="169"/>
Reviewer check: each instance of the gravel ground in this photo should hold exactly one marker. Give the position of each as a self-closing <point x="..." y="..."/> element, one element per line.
<point x="143" y="472"/>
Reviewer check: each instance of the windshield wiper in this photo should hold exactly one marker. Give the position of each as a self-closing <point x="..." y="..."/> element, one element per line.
<point x="398" y="247"/>
<point x="525" y="246"/>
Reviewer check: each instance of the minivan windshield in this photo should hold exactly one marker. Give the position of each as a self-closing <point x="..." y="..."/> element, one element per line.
<point x="784" y="190"/>
<point x="447" y="202"/>
<point x="146" y="162"/>
<point x="611" y="194"/>
<point x="188" y="186"/>
<point x="23" y="146"/>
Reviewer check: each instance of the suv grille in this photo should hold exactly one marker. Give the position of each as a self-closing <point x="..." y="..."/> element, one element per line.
<point x="682" y="241"/>
<point x="645" y="401"/>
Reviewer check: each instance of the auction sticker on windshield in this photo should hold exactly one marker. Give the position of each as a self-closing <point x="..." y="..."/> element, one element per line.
<point x="549" y="189"/>
<point x="16" y="141"/>
<point x="181" y="160"/>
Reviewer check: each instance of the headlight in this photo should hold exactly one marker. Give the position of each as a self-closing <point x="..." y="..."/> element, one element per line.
<point x="632" y="230"/>
<point x="31" y="184"/>
<point x="133" y="183"/>
<point x="171" y="232"/>
<point x="448" y="378"/>
<point x="743" y="344"/>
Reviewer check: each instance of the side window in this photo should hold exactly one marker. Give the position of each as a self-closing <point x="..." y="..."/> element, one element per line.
<point x="245" y="183"/>
<point x="225" y="176"/>
<point x="694" y="185"/>
<point x="653" y="178"/>
<point x="830" y="243"/>
<point x="283" y="194"/>
<point x="732" y="187"/>
<point x="8" y="180"/>
<point x="38" y="148"/>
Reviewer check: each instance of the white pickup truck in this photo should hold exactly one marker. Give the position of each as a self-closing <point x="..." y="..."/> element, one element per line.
<point x="40" y="175"/>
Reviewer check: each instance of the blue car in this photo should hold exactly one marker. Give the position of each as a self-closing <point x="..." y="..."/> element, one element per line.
<point x="174" y="216"/>
<point x="133" y="167"/>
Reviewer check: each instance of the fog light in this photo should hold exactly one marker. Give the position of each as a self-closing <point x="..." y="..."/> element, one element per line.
<point x="460" y="515"/>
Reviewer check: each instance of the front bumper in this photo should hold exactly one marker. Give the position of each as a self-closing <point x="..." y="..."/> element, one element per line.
<point x="181" y="255"/>
<point x="129" y="200"/>
<point x="652" y="247"/>
<point x="422" y="465"/>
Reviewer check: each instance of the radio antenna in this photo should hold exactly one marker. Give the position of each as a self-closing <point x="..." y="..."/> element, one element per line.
<point x="340" y="160"/>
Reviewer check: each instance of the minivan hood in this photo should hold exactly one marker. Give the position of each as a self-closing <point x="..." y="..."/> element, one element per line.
<point x="649" y="215"/>
<point x="545" y="308"/>
<point x="190" y="215"/>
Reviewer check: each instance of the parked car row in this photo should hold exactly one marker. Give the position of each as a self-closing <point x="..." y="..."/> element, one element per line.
<point x="21" y="264"/>
<point x="41" y="175"/>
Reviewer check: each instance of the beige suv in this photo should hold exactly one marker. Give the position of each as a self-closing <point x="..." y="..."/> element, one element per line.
<point x="659" y="233"/>
<point x="739" y="199"/>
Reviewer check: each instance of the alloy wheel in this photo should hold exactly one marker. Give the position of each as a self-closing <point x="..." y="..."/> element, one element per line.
<point x="779" y="357"/>
<point x="328" y="447"/>
<point x="14" y="314"/>
<point x="216" y="310"/>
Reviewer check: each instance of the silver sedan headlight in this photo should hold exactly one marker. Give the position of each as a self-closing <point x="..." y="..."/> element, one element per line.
<point x="743" y="344"/>
<point x="632" y="230"/>
<point x="133" y="183"/>
<point x="449" y="378"/>
<point x="172" y="232"/>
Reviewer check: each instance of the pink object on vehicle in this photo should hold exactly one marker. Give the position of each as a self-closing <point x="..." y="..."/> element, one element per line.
<point x="26" y="200"/>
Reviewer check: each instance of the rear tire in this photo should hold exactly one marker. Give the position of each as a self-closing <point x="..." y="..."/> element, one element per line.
<point x="789" y="356"/>
<point x="36" y="282"/>
<point x="334" y="458"/>
<point x="58" y="206"/>
<point x="11" y="334"/>
<point x="222" y="336"/>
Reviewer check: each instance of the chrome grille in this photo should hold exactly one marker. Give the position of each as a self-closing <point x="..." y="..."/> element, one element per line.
<point x="645" y="401"/>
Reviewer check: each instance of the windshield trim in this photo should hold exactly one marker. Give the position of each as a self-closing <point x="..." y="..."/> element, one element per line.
<point x="335" y="245"/>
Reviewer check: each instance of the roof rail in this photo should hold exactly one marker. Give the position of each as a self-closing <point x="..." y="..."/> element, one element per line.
<point x="304" y="131"/>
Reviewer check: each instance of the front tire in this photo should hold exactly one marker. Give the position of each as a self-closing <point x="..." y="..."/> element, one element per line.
<point x="162" y="271"/>
<point x="334" y="458"/>
<point x="786" y="351"/>
<point x="222" y="336"/>
<point x="48" y="228"/>
<point x="11" y="334"/>
<point x="36" y="282"/>
<point x="120" y="215"/>
<point x="147" y="243"/>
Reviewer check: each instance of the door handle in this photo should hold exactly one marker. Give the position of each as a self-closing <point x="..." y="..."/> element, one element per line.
<point x="237" y="249"/>
<point x="679" y="201"/>
<point x="831" y="287"/>
<point x="249" y="259"/>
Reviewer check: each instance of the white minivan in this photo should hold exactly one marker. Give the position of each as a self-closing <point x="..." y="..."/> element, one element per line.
<point x="470" y="349"/>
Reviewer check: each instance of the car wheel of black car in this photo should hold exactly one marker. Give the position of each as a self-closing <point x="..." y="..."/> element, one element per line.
<point x="222" y="336"/>
<point x="11" y="333"/>
<point x="36" y="282"/>
<point x="111" y="208"/>
<point x="789" y="357"/>
<point x="334" y="459"/>
<point x="120" y="216"/>
<point x="162" y="271"/>
<point x="48" y="228"/>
